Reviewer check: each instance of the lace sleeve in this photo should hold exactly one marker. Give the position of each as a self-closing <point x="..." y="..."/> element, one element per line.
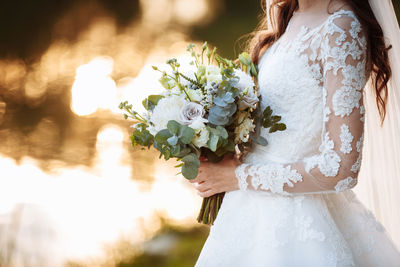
<point x="336" y="166"/>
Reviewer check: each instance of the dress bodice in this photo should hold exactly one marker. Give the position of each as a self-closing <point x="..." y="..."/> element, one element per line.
<point x="315" y="83"/>
<point x="293" y="89"/>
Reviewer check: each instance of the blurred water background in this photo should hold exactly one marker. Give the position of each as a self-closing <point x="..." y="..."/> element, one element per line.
<point x="73" y="192"/>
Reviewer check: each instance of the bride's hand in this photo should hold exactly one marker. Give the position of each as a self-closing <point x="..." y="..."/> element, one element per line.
<point x="214" y="178"/>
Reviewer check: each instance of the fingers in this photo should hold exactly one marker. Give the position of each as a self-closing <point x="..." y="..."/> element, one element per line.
<point x="198" y="179"/>
<point x="201" y="177"/>
<point x="207" y="193"/>
<point x="201" y="187"/>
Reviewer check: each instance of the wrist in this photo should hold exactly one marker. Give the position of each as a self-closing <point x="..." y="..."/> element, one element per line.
<point x="241" y="176"/>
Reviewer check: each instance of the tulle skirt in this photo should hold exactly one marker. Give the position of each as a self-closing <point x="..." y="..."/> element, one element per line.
<point x="256" y="228"/>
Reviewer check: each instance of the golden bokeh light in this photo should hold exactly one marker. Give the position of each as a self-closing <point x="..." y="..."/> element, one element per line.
<point x="88" y="208"/>
<point x="71" y="209"/>
<point x="93" y="88"/>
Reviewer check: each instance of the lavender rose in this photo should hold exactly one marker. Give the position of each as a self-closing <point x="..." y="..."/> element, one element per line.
<point x="191" y="112"/>
<point x="249" y="100"/>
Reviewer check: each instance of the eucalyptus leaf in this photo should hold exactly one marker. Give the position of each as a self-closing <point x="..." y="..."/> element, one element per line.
<point x="228" y="97"/>
<point x="191" y="159"/>
<point x="259" y="140"/>
<point x="176" y="150"/>
<point x="190" y="171"/>
<point x="220" y="115"/>
<point x="184" y="151"/>
<point x="213" y="142"/>
<point x="230" y="146"/>
<point x="173" y="140"/>
<point x="162" y="136"/>
<point x="225" y="85"/>
<point x="186" y="134"/>
<point x="227" y="147"/>
<point x="166" y="152"/>
<point x="232" y="109"/>
<point x="222" y="131"/>
<point x="220" y="111"/>
<point x="173" y="126"/>
<point x="222" y="142"/>
<point x="155" y="98"/>
<point x="142" y="137"/>
<point x="151" y="101"/>
<point x="228" y="72"/>
<point x="212" y="156"/>
<point x="219" y="101"/>
<point x="217" y="120"/>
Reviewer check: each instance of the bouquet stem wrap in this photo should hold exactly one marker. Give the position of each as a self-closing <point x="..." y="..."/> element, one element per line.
<point x="209" y="208"/>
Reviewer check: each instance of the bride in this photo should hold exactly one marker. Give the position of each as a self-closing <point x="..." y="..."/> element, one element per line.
<point x="291" y="203"/>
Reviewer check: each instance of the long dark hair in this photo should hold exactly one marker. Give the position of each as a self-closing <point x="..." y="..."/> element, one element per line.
<point x="281" y="11"/>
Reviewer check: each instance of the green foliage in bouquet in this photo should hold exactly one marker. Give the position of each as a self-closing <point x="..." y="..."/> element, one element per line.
<point x="219" y="111"/>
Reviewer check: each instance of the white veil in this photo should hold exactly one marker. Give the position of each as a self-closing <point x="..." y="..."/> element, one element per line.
<point x="379" y="178"/>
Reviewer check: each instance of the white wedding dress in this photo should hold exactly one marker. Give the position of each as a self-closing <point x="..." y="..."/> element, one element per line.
<point x="295" y="206"/>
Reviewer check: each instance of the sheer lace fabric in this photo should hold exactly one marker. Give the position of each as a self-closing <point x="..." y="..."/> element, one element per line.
<point x="331" y="73"/>
<point x="300" y="211"/>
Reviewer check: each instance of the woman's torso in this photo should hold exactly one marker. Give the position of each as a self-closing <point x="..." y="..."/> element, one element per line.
<point x="291" y="82"/>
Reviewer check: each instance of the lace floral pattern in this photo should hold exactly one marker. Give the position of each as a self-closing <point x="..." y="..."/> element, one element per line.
<point x="360" y="143"/>
<point x="278" y="176"/>
<point x="273" y="215"/>
<point x="345" y="100"/>
<point x="241" y="175"/>
<point x="333" y="55"/>
<point x="345" y="184"/>
<point x="346" y="138"/>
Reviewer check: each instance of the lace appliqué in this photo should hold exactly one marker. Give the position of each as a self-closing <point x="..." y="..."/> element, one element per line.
<point x="333" y="58"/>
<point x="241" y="176"/>
<point x="304" y="230"/>
<point x="328" y="161"/>
<point x="356" y="166"/>
<point x="348" y="97"/>
<point x="360" y="143"/>
<point x="345" y="100"/>
<point x="346" y="138"/>
<point x="345" y="184"/>
<point x="268" y="177"/>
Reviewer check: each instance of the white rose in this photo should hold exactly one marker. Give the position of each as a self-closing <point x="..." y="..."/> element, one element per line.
<point x="245" y="81"/>
<point x="202" y="134"/>
<point x="213" y="74"/>
<point x="168" y="108"/>
<point x="195" y="95"/>
<point x="197" y="125"/>
<point x="191" y="112"/>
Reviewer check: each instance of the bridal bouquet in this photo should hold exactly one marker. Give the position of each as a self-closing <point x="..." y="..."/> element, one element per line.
<point x="208" y="109"/>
